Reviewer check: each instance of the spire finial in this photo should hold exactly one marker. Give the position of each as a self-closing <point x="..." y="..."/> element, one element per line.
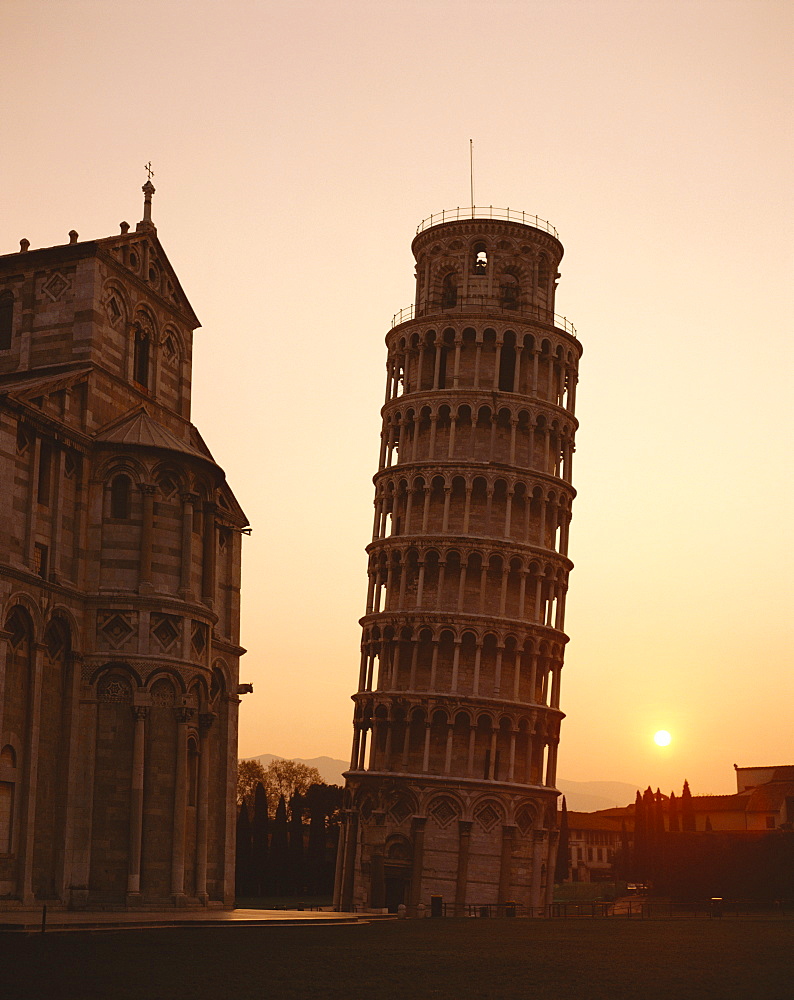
<point x="148" y="191"/>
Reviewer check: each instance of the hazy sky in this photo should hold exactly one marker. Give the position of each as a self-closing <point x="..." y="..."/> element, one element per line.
<point x="297" y="145"/>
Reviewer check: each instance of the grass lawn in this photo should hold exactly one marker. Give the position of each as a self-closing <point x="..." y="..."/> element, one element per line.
<point x="752" y="959"/>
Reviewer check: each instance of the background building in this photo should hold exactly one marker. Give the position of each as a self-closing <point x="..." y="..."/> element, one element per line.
<point x="119" y="588"/>
<point x="451" y="787"/>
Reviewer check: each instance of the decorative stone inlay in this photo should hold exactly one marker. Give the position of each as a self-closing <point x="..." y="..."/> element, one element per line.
<point x="113" y="309"/>
<point x="167" y="487"/>
<point x="400" y="811"/>
<point x="199" y="637"/>
<point x="487" y="817"/>
<point x="525" y="820"/>
<point x="170" y="353"/>
<point x="443" y="812"/>
<point x="23" y="439"/>
<point x="165" y="628"/>
<point x="163" y="694"/>
<point x="115" y="689"/>
<point x="114" y="628"/>
<point x="56" y="285"/>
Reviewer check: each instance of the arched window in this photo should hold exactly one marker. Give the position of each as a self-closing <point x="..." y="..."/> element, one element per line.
<point x="6" y="320"/>
<point x="120" y="498"/>
<point x="509" y="291"/>
<point x="140" y="363"/>
<point x="449" y="292"/>
<point x="480" y="258"/>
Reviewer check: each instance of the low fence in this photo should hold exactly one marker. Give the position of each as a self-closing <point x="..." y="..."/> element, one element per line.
<point x="621" y="909"/>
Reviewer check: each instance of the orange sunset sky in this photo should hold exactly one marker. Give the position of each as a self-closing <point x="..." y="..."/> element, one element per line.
<point x="296" y="145"/>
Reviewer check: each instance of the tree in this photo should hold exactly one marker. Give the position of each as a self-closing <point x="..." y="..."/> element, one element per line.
<point x="562" y="866"/>
<point x="323" y="803"/>
<point x="640" y="845"/>
<point x="249" y="774"/>
<point x="279" y="853"/>
<point x="687" y="809"/>
<point x="297" y="874"/>
<point x="259" y="834"/>
<point x="243" y="869"/>
<point x="674" y="827"/>
<point x="649" y="814"/>
<point x="287" y="778"/>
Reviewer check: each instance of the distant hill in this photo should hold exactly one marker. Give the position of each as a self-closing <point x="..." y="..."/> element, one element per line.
<point x="581" y="796"/>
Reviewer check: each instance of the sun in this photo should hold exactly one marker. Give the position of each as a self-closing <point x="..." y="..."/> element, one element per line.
<point x="662" y="738"/>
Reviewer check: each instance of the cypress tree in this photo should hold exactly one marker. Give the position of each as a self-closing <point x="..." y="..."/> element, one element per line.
<point x="640" y="846"/>
<point x="297" y="873"/>
<point x="659" y="815"/>
<point x="562" y="866"/>
<point x="242" y="868"/>
<point x="649" y="812"/>
<point x="673" y="820"/>
<point x="316" y="801"/>
<point x="623" y="865"/>
<point x="259" y="832"/>
<point x="687" y="809"/>
<point x="279" y="853"/>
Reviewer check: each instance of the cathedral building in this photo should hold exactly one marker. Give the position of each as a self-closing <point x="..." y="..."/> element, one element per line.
<point x="451" y="788"/>
<point x="119" y="588"/>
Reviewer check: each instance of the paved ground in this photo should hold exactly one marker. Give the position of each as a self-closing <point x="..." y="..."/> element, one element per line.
<point x="450" y="959"/>
<point x="30" y="921"/>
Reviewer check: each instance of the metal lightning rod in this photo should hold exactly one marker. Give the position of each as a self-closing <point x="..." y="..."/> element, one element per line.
<point x="471" y="173"/>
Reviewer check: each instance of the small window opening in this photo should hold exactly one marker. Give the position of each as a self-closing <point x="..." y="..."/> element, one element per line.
<point x="40" y="553"/>
<point x="120" y="498"/>
<point x="6" y="320"/>
<point x="480" y="258"/>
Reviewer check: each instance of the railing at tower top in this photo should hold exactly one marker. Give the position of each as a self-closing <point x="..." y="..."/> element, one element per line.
<point x="472" y="212"/>
<point x="474" y="303"/>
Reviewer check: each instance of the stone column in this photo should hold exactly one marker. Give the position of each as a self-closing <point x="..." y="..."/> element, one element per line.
<point x="461" y="883"/>
<point x="351" y="836"/>
<point x="185" y="589"/>
<point x="505" y="862"/>
<point x="202" y="799"/>
<point x="551" y="864"/>
<point x="208" y="561"/>
<point x="356" y="747"/>
<point x="472" y="743"/>
<point x="147" y="529"/>
<point x="180" y="808"/>
<point x="340" y="854"/>
<point x="59" y="475"/>
<point x="538" y="855"/>
<point x="136" y="806"/>
<point x="30" y="772"/>
<point x="418" y="825"/>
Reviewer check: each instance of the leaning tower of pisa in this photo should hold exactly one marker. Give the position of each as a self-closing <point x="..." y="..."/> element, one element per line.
<point x="451" y="788"/>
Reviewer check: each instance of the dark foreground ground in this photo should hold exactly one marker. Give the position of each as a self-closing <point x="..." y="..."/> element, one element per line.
<point x="752" y="959"/>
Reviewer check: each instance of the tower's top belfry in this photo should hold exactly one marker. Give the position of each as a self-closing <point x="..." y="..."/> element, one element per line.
<point x="477" y="260"/>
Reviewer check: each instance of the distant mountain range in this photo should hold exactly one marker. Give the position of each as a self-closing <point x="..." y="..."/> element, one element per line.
<point x="580" y="796"/>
